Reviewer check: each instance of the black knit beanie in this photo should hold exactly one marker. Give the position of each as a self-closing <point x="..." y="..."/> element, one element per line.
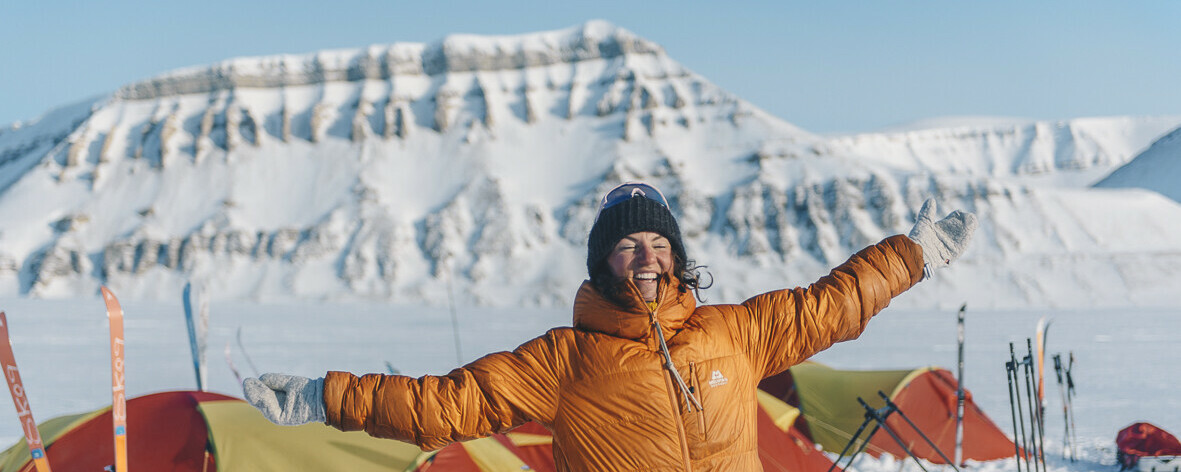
<point x="633" y="215"/>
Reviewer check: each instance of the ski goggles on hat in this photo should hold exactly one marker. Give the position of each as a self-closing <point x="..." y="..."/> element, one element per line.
<point x="628" y="191"/>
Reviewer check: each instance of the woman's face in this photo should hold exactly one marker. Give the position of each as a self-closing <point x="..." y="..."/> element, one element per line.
<point x="642" y="257"/>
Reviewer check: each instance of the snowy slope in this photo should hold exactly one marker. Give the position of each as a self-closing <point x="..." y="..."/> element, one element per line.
<point x="1157" y="169"/>
<point x="469" y="168"/>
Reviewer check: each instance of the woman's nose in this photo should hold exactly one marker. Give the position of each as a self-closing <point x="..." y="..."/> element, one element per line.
<point x="647" y="255"/>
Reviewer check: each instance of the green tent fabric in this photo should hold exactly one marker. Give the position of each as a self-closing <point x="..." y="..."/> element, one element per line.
<point x="243" y="440"/>
<point x="828" y="399"/>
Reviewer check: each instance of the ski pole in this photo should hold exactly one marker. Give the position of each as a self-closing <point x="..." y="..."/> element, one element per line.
<point x="230" y="362"/>
<point x="242" y="347"/>
<point x="959" y="391"/>
<point x="1020" y="412"/>
<point x="1009" y="368"/>
<point x="1070" y="393"/>
<point x="1031" y="397"/>
<point x="198" y="329"/>
<point x="1032" y="434"/>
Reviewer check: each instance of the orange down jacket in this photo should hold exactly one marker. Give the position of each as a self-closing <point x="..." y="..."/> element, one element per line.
<point x="601" y="386"/>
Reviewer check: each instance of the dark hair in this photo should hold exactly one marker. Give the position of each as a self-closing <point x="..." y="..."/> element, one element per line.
<point x="688" y="272"/>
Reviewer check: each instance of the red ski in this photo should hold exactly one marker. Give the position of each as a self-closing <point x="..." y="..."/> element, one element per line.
<point x="17" y="389"/>
<point x="118" y="388"/>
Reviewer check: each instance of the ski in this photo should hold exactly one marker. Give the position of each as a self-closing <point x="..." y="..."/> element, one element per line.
<point x="1066" y="446"/>
<point x="198" y="331"/>
<point x="118" y="387"/>
<point x="1043" y="327"/>
<point x="1070" y="393"/>
<point x="23" y="411"/>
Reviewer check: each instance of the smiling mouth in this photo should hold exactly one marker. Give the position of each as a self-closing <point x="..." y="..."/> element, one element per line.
<point x="645" y="277"/>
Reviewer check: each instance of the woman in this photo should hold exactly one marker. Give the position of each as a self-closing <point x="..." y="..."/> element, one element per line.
<point x="645" y="379"/>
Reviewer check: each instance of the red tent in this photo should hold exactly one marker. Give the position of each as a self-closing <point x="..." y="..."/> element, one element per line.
<point x="169" y="434"/>
<point x="527" y="447"/>
<point x="828" y="400"/>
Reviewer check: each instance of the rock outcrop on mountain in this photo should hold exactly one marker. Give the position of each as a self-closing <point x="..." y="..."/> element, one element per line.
<point x="469" y="169"/>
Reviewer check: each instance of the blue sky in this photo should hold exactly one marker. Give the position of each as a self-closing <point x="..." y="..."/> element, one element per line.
<point x="834" y="66"/>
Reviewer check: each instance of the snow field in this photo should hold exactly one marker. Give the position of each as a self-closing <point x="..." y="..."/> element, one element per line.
<point x="1125" y="370"/>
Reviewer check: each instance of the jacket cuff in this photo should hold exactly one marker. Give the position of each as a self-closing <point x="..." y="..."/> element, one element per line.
<point x="911" y="254"/>
<point x="336" y="384"/>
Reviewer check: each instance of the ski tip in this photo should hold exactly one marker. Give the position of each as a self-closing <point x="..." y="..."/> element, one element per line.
<point x="106" y="293"/>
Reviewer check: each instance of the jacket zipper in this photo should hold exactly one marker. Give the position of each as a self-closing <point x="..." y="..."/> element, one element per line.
<point x="695" y="388"/>
<point x="676" y="407"/>
<point x="671" y="389"/>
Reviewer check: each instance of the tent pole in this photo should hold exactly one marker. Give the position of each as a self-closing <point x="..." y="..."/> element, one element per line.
<point x="893" y="407"/>
<point x="853" y="440"/>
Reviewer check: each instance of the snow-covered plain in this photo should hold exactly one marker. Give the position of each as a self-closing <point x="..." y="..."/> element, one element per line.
<point x="1126" y="369"/>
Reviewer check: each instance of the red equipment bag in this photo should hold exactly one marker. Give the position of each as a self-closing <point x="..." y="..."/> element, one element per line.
<point x="1144" y="440"/>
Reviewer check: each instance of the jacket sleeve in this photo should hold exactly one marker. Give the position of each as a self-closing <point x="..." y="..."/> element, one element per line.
<point x="788" y="326"/>
<point x="492" y="394"/>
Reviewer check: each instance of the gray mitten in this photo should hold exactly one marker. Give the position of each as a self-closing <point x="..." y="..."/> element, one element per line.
<point x="287" y="400"/>
<point x="942" y="241"/>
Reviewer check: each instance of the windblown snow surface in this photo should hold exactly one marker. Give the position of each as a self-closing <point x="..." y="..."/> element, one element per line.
<point x="1126" y="369"/>
<point x="334" y="204"/>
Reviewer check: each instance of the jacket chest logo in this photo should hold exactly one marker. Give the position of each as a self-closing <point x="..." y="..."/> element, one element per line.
<point x="716" y="379"/>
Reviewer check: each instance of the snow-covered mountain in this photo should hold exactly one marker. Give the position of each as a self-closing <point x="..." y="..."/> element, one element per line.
<point x="1157" y="169"/>
<point x="469" y="168"/>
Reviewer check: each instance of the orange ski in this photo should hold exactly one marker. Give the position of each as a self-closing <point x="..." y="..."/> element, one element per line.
<point x="118" y="387"/>
<point x="23" y="412"/>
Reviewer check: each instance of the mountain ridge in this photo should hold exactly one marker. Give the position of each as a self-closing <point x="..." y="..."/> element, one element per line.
<point x="480" y="183"/>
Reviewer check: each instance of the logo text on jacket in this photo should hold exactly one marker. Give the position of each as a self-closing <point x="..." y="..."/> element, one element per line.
<point x="716" y="379"/>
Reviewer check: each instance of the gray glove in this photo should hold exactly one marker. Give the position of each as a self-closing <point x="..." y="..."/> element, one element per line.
<point x="942" y="241"/>
<point x="287" y="400"/>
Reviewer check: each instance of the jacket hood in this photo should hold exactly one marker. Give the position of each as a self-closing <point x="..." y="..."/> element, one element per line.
<point x="595" y="312"/>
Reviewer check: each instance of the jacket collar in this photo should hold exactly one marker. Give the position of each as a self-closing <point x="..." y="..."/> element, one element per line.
<point x="631" y="320"/>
